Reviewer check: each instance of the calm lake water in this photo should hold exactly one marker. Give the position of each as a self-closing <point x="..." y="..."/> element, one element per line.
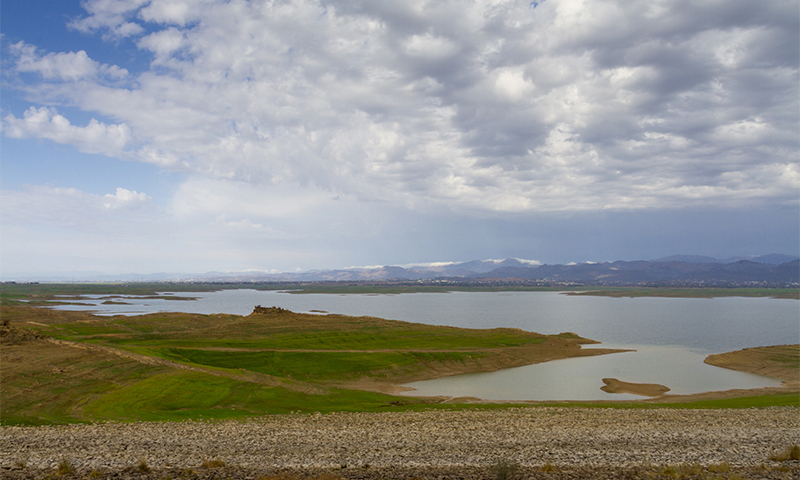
<point x="671" y="336"/>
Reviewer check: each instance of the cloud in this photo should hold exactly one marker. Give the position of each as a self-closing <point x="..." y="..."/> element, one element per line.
<point x="72" y="208"/>
<point x="239" y="204"/>
<point x="471" y="107"/>
<point x="177" y="12"/>
<point x="96" y="137"/>
<point x="163" y="43"/>
<point x="124" y="198"/>
<point x="50" y="228"/>
<point x="109" y="16"/>
<point x="69" y="66"/>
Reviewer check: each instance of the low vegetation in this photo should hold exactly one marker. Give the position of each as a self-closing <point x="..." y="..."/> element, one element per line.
<point x="142" y="466"/>
<point x="791" y="453"/>
<point x="500" y="470"/>
<point x="215" y="463"/>
<point x="504" y="469"/>
<point x="65" y="468"/>
<point x="778" y="361"/>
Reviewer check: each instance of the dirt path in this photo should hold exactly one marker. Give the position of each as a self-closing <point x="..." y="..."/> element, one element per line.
<point x="245" y="376"/>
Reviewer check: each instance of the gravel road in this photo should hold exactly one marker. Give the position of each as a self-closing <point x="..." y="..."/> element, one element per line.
<point x="355" y="444"/>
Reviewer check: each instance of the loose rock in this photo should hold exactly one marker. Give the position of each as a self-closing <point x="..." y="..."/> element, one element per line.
<point x="430" y="444"/>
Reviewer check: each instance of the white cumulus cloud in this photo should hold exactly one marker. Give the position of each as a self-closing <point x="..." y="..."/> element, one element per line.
<point x="95" y="137"/>
<point x="69" y="66"/>
<point x="124" y="198"/>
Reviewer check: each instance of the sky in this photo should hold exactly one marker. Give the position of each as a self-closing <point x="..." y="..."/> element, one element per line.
<point x="229" y="135"/>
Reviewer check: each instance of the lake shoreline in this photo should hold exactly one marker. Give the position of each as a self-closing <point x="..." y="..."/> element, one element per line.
<point x="777" y="362"/>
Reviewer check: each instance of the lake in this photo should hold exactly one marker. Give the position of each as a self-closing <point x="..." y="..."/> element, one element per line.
<point x="671" y="336"/>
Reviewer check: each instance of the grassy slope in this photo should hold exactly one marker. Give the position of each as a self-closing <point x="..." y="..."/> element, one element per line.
<point x="60" y="384"/>
<point x="177" y="366"/>
<point x="45" y="383"/>
<point x="290" y="331"/>
<point x="196" y="395"/>
<point x="777" y="361"/>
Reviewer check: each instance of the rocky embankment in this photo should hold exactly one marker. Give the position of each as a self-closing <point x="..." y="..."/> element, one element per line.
<point x="570" y="442"/>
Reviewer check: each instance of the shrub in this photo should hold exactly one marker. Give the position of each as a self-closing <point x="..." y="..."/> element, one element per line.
<point x="504" y="469"/>
<point x="791" y="453"/>
<point x="216" y="463"/>
<point x="65" y="468"/>
<point x="719" y="467"/>
<point x="693" y="470"/>
<point x="669" y="471"/>
<point x="142" y="466"/>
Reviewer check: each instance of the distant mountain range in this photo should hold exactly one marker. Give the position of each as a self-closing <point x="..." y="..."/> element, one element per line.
<point x="772" y="258"/>
<point x="765" y="270"/>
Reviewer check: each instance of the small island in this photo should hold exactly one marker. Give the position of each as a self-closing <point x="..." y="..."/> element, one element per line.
<point x="613" y="385"/>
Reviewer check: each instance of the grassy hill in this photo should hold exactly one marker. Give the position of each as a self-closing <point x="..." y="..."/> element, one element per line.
<point x="60" y="366"/>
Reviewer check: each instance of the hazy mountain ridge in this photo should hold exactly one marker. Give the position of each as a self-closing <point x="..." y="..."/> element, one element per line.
<point x="677" y="269"/>
<point x="642" y="272"/>
<point x="772" y="258"/>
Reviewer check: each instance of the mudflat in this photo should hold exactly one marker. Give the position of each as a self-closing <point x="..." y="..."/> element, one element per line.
<point x="613" y="385"/>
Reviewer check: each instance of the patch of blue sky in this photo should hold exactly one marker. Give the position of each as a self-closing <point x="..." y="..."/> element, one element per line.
<point x="43" y="162"/>
<point x="45" y="25"/>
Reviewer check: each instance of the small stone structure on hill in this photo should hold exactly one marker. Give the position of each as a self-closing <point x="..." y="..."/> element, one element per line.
<point x="270" y="310"/>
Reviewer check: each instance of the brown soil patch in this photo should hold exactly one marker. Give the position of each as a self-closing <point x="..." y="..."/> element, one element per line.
<point x="612" y="385"/>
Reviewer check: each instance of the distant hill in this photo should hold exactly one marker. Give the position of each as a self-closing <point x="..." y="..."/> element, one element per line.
<point x="743" y="272"/>
<point x="688" y="259"/>
<point x="765" y="270"/>
<point x="675" y="270"/>
<point x="772" y="258"/>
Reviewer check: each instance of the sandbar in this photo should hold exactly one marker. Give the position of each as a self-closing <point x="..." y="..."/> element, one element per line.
<point x="612" y="385"/>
